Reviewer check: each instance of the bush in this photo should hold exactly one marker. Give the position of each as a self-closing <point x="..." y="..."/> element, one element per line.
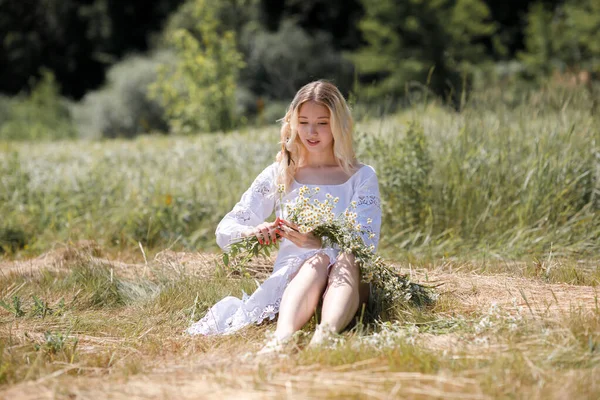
<point x="279" y="63"/>
<point x="198" y="92"/>
<point x="122" y="107"/>
<point x="41" y="115"/>
<point x="12" y="239"/>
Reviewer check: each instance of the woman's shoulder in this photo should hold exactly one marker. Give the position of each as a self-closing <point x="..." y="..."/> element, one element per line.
<point x="365" y="171"/>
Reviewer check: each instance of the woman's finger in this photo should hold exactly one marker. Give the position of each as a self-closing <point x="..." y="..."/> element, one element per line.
<point x="265" y="234"/>
<point x="288" y="230"/>
<point x="282" y="235"/>
<point x="258" y="235"/>
<point x="272" y="235"/>
<point x="290" y="224"/>
<point x="294" y="236"/>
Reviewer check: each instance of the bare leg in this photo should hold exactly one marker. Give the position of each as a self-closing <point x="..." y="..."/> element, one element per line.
<point x="302" y="295"/>
<point x="343" y="296"/>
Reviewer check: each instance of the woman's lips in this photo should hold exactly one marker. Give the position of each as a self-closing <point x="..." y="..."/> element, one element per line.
<point x="312" y="142"/>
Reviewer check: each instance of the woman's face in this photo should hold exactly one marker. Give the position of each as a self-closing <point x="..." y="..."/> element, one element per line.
<point x="314" y="127"/>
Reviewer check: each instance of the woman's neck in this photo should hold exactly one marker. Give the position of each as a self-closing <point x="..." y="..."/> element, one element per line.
<point x="318" y="160"/>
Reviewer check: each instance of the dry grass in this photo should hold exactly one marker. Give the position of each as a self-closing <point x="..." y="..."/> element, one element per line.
<point x="499" y="333"/>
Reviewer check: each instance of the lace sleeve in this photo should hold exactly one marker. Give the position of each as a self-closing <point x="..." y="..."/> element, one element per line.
<point x="368" y="207"/>
<point x="255" y="206"/>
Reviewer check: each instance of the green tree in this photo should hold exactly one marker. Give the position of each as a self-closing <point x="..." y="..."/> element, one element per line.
<point x="565" y="38"/>
<point x="198" y="93"/>
<point x="434" y="41"/>
<point x="78" y="40"/>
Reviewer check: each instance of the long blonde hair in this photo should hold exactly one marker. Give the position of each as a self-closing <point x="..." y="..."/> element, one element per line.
<point x="292" y="149"/>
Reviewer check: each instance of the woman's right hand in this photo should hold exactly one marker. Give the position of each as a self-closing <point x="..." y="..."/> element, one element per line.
<point x="266" y="233"/>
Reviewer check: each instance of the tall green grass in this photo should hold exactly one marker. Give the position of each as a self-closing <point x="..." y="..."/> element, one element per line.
<point x="505" y="177"/>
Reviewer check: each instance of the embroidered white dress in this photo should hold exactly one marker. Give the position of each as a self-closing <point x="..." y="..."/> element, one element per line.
<point x="256" y="205"/>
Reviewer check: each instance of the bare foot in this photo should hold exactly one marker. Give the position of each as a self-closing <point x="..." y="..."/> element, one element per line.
<point x="323" y="335"/>
<point x="274" y="345"/>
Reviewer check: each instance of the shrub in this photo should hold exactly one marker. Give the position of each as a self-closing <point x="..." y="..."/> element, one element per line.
<point x="41" y="115"/>
<point x="122" y="107"/>
<point x="12" y="239"/>
<point x="279" y="63"/>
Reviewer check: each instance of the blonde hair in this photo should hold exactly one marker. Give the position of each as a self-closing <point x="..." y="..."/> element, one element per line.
<point x="292" y="149"/>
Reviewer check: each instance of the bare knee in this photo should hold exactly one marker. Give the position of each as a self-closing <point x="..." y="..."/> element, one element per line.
<point x="315" y="267"/>
<point x="345" y="271"/>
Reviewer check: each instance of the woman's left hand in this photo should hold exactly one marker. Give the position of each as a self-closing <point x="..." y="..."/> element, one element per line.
<point x="290" y="231"/>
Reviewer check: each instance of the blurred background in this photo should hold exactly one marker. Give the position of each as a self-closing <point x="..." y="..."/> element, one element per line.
<point x="481" y="117"/>
<point x="109" y="68"/>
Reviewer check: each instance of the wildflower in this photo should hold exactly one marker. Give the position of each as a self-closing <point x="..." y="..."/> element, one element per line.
<point x="342" y="229"/>
<point x="281" y="188"/>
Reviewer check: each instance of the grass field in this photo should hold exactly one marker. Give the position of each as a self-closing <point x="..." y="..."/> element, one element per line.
<point x="108" y="255"/>
<point x="89" y="327"/>
<point x="490" y="182"/>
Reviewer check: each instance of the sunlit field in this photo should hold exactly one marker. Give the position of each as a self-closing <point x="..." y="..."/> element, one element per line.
<point x="493" y="181"/>
<point x="108" y="254"/>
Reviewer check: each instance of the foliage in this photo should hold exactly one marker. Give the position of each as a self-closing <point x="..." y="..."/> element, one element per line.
<point x="77" y="40"/>
<point x="280" y="62"/>
<point x="433" y="42"/>
<point x="404" y="175"/>
<point x="199" y="92"/>
<point x="565" y="38"/>
<point x="232" y="15"/>
<point x="58" y="342"/>
<point x="122" y="108"/>
<point x="12" y="239"/>
<point x="15" y="308"/>
<point x="42" y="115"/>
<point x="397" y="47"/>
<point x="338" y="19"/>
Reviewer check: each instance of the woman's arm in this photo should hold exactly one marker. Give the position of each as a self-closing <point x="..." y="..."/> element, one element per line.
<point x="368" y="207"/>
<point x="256" y="204"/>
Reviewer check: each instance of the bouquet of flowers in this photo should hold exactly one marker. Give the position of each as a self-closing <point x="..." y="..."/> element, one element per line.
<point x="340" y="231"/>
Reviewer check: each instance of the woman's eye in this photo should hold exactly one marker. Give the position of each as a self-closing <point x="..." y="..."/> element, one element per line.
<point x="322" y="123"/>
<point x="303" y="123"/>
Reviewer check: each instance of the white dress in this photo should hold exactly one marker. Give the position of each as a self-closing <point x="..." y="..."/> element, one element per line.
<point x="256" y="205"/>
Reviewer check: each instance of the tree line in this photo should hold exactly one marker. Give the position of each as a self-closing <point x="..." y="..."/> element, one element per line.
<point x="188" y="65"/>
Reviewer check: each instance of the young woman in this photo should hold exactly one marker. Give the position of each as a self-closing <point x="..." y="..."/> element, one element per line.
<point x="317" y="151"/>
